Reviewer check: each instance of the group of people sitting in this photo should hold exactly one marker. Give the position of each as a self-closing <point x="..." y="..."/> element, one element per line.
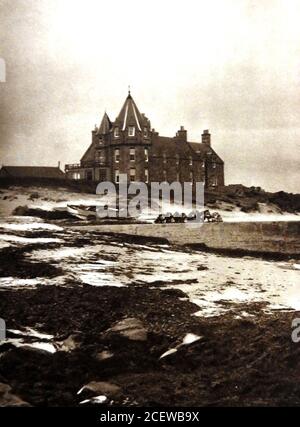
<point x="196" y="216"/>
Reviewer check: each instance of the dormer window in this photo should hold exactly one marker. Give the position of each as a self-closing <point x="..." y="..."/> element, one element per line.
<point x="131" y="131"/>
<point x="117" y="133"/>
<point x="145" y="132"/>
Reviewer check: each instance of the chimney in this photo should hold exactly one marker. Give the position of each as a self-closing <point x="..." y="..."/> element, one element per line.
<point x="181" y="135"/>
<point x="206" y="137"/>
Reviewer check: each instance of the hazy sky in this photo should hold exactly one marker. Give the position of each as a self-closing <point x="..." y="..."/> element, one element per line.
<point x="232" y="66"/>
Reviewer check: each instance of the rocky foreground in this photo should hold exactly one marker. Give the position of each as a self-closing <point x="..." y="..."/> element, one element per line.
<point x="137" y="345"/>
<point x="111" y="344"/>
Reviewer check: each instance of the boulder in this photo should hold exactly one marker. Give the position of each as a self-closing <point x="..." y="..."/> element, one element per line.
<point x="130" y="328"/>
<point x="7" y="398"/>
<point x="101" y="388"/>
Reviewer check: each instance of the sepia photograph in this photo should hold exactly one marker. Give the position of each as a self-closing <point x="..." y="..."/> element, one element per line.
<point x="149" y="206"/>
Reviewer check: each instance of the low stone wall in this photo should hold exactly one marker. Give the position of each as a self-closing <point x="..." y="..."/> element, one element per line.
<point x="260" y="237"/>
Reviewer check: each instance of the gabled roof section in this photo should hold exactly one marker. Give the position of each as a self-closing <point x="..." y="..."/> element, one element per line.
<point x="130" y="115"/>
<point x="105" y="125"/>
<point x="89" y="155"/>
<point x="203" y="149"/>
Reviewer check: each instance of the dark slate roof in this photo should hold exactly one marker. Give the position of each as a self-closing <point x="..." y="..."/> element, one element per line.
<point x="89" y="155"/>
<point x="172" y="148"/>
<point x="204" y="150"/>
<point x="130" y="116"/>
<point x="105" y="125"/>
<point x="32" y="172"/>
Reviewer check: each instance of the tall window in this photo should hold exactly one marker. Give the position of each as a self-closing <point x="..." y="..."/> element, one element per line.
<point x="117" y="175"/>
<point x="132" y="174"/>
<point x="191" y="161"/>
<point x="214" y="165"/>
<point x="132" y="154"/>
<point x="146" y="155"/>
<point x="116" y="133"/>
<point x="100" y="156"/>
<point x="131" y="131"/>
<point x="146" y="176"/>
<point x="117" y="155"/>
<point x="76" y="175"/>
<point x="145" y="132"/>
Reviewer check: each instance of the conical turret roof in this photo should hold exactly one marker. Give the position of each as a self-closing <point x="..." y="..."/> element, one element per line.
<point x="105" y="125"/>
<point x="130" y="115"/>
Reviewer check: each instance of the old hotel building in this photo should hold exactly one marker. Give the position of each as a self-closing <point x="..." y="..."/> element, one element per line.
<point x="129" y="146"/>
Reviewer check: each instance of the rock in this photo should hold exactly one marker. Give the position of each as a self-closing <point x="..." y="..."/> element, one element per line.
<point x="34" y="196"/>
<point x="7" y="398"/>
<point x="69" y="344"/>
<point x="101" y="388"/>
<point x="20" y="211"/>
<point x="104" y="355"/>
<point x="130" y="328"/>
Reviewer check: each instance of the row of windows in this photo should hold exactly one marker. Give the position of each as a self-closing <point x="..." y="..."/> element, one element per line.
<point x="131" y="132"/>
<point x="100" y="156"/>
<point x="131" y="155"/>
<point x="132" y="175"/>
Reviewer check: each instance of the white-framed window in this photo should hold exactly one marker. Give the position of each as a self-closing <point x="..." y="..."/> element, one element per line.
<point x="146" y="176"/>
<point x="131" y="131"/>
<point x="100" y="156"/>
<point x="146" y="155"/>
<point x="117" y="175"/>
<point x="145" y="132"/>
<point x="76" y="175"/>
<point x="203" y="164"/>
<point x="214" y="165"/>
<point x="117" y="155"/>
<point x="132" y="174"/>
<point x="117" y="132"/>
<point x="191" y="161"/>
<point x="132" y="154"/>
<point x="215" y="181"/>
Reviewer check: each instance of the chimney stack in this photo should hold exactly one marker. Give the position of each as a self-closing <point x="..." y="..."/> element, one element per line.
<point x="181" y="135"/>
<point x="206" y="137"/>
